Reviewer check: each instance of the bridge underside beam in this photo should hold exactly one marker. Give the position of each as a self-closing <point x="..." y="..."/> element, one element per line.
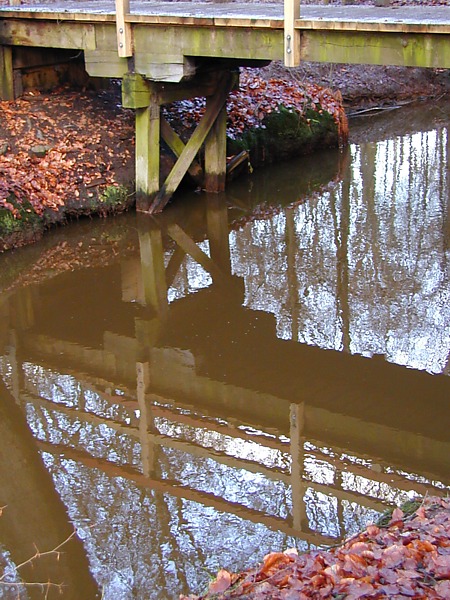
<point x="147" y="98"/>
<point x="376" y="48"/>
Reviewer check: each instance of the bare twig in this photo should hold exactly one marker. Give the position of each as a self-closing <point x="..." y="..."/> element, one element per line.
<point x="38" y="554"/>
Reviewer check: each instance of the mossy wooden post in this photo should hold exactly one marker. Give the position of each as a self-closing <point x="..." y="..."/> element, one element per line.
<point x="216" y="153"/>
<point x="214" y="107"/>
<point x="291" y="34"/>
<point x="137" y="93"/>
<point x="6" y="74"/>
<point x="147" y="155"/>
<point x="146" y="97"/>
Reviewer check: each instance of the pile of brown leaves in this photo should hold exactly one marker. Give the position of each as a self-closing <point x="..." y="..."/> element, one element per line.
<point x="408" y="559"/>
<point x="257" y="98"/>
<point x="58" y="146"/>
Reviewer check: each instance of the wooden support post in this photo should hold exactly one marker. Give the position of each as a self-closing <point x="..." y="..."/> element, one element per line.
<point x="6" y="74"/>
<point x="124" y="43"/>
<point x="216" y="153"/>
<point x="291" y="35"/>
<point x="147" y="155"/>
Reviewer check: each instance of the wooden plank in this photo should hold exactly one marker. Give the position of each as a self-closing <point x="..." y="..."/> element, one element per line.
<point x="15" y="32"/>
<point x="124" y="33"/>
<point x="291" y="34"/>
<point x="177" y="146"/>
<point x="192" y="147"/>
<point x="105" y="63"/>
<point x="6" y="74"/>
<point x="413" y="50"/>
<point x="221" y="42"/>
<point x="164" y="68"/>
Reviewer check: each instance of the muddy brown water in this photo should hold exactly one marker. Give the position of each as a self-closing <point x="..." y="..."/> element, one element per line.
<point x="248" y="372"/>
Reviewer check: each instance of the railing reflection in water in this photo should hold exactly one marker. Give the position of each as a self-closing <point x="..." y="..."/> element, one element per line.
<point x="153" y="414"/>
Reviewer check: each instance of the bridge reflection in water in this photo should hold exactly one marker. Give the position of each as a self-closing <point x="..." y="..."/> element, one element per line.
<point x="183" y="429"/>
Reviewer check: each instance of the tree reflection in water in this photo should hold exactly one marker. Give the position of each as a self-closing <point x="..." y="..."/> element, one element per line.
<point x="209" y="399"/>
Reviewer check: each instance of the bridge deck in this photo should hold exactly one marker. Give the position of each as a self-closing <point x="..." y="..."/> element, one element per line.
<point x="430" y="19"/>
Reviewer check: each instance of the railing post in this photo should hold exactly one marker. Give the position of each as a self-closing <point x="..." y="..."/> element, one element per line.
<point x="291" y="35"/>
<point x="124" y="44"/>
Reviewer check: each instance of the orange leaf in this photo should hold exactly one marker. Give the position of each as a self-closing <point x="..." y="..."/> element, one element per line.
<point x="221" y="583"/>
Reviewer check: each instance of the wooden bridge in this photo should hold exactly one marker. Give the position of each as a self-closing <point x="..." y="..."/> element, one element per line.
<point x="165" y="51"/>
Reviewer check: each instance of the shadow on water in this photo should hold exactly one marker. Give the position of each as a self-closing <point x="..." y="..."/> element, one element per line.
<point x="245" y="372"/>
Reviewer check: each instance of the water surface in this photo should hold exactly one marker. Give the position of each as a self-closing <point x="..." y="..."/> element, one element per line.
<point x="247" y="372"/>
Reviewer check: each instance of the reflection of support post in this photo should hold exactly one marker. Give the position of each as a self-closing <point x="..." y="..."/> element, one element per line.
<point x="146" y="424"/>
<point x="24" y="308"/>
<point x="191" y="248"/>
<point x="131" y="278"/>
<point x="16" y="367"/>
<point x="217" y="224"/>
<point x="446" y="194"/>
<point x="340" y="508"/>
<point x="152" y="265"/>
<point x="297" y="423"/>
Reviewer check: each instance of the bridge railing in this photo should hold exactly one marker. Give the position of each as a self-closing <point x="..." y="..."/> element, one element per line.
<point x="291" y="34"/>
